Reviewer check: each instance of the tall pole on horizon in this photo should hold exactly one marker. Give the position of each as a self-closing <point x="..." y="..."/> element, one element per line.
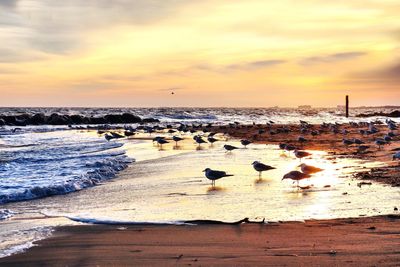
<point x="347" y="106"/>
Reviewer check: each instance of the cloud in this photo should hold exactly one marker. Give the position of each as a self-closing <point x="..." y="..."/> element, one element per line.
<point x="16" y="56"/>
<point x="8" y="3"/>
<point x="332" y="58"/>
<point x="381" y="80"/>
<point x="171" y="89"/>
<point x="255" y="65"/>
<point x="59" y="27"/>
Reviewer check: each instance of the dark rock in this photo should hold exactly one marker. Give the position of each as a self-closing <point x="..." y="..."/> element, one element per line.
<point x="57" y="119"/>
<point x="113" y="118"/>
<point x="38" y="119"/>
<point x="77" y="119"/>
<point x="150" y="120"/>
<point x="130" y="118"/>
<point x="393" y="114"/>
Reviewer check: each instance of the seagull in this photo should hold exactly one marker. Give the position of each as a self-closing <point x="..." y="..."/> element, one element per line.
<point x="155" y="139"/>
<point x="199" y="140"/>
<point x="129" y="133"/>
<point x="215" y="175"/>
<point x="176" y="139"/>
<point x="358" y="141"/>
<point x="162" y="141"/>
<point x="301" y="154"/>
<point x="108" y="137"/>
<point x="380" y="142"/>
<point x="347" y="142"/>
<point x="230" y="148"/>
<point x="116" y="135"/>
<point x="308" y="169"/>
<point x="301" y="139"/>
<point x="362" y="148"/>
<point x="296" y="176"/>
<point x="245" y="142"/>
<point x="282" y="146"/>
<point x="260" y="167"/>
<point x="211" y="139"/>
<point x="290" y="148"/>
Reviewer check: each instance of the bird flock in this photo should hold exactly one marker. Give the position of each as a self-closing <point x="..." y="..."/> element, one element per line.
<point x="202" y="134"/>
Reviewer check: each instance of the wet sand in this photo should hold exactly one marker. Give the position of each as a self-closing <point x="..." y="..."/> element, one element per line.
<point x="370" y="241"/>
<point x="329" y="142"/>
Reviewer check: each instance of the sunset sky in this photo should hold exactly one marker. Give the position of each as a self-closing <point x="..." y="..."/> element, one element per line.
<point x="209" y="53"/>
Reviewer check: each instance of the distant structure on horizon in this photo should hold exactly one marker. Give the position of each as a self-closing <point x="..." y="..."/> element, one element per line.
<point x="304" y="107"/>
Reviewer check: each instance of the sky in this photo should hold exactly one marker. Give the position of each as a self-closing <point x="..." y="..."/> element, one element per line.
<point x="226" y="53"/>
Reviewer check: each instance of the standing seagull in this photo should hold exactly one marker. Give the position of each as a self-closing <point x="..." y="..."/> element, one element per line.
<point x="177" y="139"/>
<point x="199" y="140"/>
<point x="211" y="139"/>
<point x="214" y="175"/>
<point x="308" y="169"/>
<point x="301" y="154"/>
<point x="161" y="141"/>
<point x="230" y="148"/>
<point x="260" y="167"/>
<point x="245" y="142"/>
<point x="296" y="176"/>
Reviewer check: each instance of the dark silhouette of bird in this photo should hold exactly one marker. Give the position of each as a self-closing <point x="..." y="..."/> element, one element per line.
<point x="230" y="148"/>
<point x="214" y="175"/>
<point x="245" y="142"/>
<point x="261" y="167"/>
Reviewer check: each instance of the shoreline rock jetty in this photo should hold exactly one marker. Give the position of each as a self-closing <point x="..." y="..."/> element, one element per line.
<point x="58" y="119"/>
<point x="393" y="114"/>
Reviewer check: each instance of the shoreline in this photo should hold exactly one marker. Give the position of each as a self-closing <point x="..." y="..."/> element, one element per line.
<point x="352" y="242"/>
<point x="92" y="240"/>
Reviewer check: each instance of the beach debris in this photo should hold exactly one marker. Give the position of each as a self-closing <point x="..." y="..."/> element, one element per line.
<point x="363" y="183"/>
<point x="371" y="228"/>
<point x="395" y="209"/>
<point x="306" y="187"/>
<point x="212" y="222"/>
<point x="333" y="252"/>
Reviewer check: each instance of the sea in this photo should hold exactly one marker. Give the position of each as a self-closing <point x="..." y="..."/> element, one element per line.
<point x="59" y="175"/>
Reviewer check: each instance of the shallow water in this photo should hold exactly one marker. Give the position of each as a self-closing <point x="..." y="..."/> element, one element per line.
<point x="169" y="186"/>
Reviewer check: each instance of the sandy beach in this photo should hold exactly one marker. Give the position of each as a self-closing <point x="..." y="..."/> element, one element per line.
<point x="363" y="241"/>
<point x="341" y="242"/>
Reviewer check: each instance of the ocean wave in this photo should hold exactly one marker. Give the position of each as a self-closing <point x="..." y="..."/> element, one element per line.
<point x="5" y="214"/>
<point x="19" y="241"/>
<point x="101" y="171"/>
<point x="178" y="222"/>
<point x="115" y="222"/>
